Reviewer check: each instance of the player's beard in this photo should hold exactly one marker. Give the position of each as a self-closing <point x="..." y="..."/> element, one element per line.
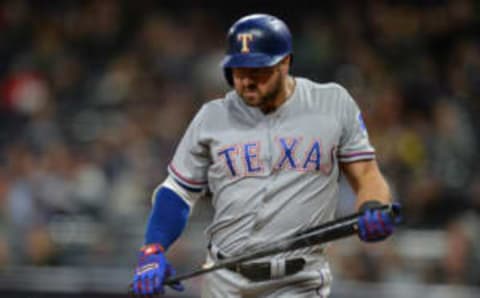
<point x="253" y="96"/>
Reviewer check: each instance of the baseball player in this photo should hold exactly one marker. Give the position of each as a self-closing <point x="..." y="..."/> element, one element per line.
<point x="270" y="152"/>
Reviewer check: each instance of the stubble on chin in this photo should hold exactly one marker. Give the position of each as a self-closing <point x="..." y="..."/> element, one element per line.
<point x="250" y="99"/>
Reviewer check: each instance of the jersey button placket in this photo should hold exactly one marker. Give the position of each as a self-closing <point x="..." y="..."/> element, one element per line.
<point x="266" y="127"/>
<point x="258" y="219"/>
<point x="267" y="150"/>
<point x="270" y="145"/>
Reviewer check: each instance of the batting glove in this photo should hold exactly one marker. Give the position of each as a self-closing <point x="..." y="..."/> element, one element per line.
<point x="375" y="224"/>
<point x="152" y="269"/>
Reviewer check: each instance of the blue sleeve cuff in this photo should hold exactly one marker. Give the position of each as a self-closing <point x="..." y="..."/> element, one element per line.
<point x="168" y="218"/>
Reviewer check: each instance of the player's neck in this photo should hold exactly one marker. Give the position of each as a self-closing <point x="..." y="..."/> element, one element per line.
<point x="283" y="95"/>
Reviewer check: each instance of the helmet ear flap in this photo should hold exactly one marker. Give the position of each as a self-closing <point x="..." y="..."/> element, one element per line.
<point x="228" y="75"/>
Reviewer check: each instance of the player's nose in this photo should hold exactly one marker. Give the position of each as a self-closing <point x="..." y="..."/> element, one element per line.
<point x="247" y="81"/>
<point x="244" y="79"/>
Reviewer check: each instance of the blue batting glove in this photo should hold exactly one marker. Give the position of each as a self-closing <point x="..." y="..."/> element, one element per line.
<point x="152" y="269"/>
<point x="376" y="225"/>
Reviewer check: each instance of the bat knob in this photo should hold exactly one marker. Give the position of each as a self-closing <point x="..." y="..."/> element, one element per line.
<point x="396" y="213"/>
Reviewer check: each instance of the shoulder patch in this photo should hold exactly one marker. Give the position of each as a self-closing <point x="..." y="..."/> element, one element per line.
<point x="361" y="123"/>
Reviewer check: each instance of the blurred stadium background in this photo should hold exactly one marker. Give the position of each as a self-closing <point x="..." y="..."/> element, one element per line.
<point x="94" y="96"/>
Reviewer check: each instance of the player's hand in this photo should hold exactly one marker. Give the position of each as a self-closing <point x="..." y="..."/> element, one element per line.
<point x="152" y="269"/>
<point x="375" y="224"/>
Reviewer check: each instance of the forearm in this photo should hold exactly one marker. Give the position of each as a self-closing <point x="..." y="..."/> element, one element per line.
<point x="168" y="218"/>
<point x="374" y="188"/>
<point x="367" y="182"/>
<point x="171" y="209"/>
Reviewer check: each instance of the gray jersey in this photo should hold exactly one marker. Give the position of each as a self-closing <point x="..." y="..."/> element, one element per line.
<point x="271" y="175"/>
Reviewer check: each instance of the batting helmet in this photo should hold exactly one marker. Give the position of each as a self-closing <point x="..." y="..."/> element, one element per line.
<point x="257" y="40"/>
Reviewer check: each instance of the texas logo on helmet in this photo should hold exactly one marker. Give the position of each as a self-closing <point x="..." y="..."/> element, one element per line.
<point x="245" y="38"/>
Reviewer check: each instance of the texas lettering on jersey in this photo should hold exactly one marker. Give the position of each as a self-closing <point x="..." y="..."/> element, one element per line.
<point x="245" y="159"/>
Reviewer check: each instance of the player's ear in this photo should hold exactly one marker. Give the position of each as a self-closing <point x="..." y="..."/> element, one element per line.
<point x="285" y="64"/>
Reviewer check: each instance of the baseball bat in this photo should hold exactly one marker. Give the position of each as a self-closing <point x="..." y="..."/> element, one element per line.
<point x="332" y="230"/>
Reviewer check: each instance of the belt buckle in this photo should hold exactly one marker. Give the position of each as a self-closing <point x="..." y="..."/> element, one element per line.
<point x="290" y="267"/>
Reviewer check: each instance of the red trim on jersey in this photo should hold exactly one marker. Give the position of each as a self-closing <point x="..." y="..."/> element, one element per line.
<point x="355" y="154"/>
<point x="189" y="181"/>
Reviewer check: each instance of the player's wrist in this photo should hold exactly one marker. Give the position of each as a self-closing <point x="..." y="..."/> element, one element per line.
<point x="151" y="249"/>
<point x="370" y="204"/>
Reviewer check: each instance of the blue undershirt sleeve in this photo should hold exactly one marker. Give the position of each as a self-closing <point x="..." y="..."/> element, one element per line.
<point x="168" y="218"/>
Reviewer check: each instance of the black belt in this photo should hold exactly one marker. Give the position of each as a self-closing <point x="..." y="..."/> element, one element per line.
<point x="261" y="271"/>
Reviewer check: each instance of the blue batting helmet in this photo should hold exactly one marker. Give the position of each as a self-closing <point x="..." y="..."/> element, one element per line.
<point x="257" y="40"/>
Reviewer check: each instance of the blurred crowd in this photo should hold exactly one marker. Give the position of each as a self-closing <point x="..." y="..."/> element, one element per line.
<point x="94" y="95"/>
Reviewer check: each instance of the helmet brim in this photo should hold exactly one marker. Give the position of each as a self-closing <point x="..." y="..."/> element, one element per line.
<point x="252" y="60"/>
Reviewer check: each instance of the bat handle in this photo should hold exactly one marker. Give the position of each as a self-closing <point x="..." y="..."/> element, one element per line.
<point x="395" y="212"/>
